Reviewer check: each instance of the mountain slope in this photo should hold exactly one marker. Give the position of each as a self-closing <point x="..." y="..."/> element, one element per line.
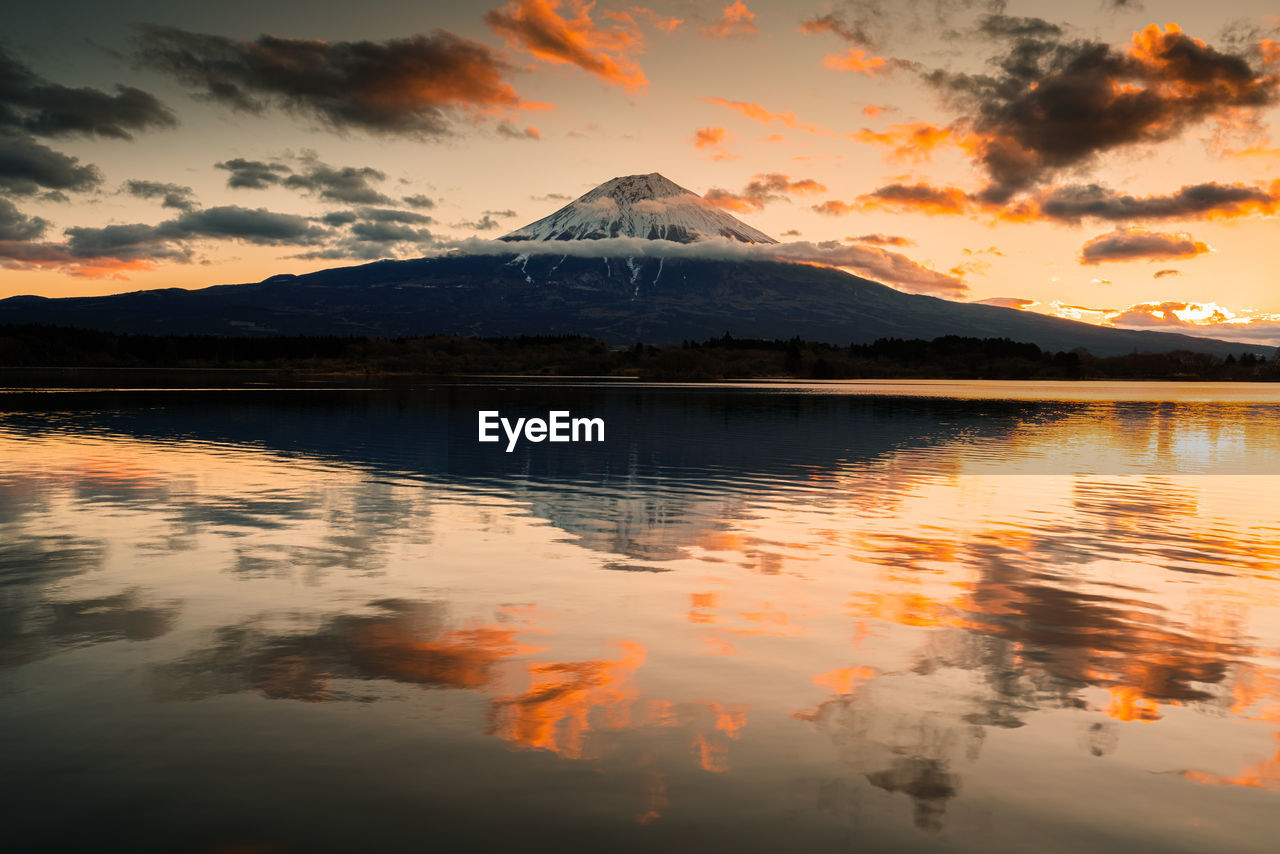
<point x="655" y="297"/>
<point x="645" y="206"/>
<point x="624" y="300"/>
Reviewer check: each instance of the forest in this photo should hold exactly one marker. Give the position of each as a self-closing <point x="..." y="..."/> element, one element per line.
<point x="33" y="346"/>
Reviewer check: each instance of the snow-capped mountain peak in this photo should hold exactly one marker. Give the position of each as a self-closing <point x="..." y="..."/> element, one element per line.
<point x="646" y="206"/>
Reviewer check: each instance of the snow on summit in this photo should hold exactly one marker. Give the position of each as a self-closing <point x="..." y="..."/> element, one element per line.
<point x="645" y="206"/>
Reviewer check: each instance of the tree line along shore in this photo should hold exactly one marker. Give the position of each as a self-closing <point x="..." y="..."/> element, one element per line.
<point x="31" y="346"/>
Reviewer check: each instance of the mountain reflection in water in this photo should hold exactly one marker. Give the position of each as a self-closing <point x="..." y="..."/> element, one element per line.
<point x="752" y="619"/>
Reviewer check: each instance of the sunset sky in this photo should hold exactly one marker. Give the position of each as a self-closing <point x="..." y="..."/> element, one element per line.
<point x="1116" y="166"/>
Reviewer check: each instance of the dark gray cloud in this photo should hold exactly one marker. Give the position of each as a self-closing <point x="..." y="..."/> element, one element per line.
<point x="1244" y="35"/>
<point x="864" y="30"/>
<point x="257" y="225"/>
<point x="389" y="232"/>
<point x="174" y="196"/>
<point x="874" y="23"/>
<point x="369" y="233"/>
<point x="414" y="86"/>
<point x="26" y="255"/>
<point x="364" y="232"/>
<point x="500" y="213"/>
<point x="1135" y="244"/>
<point x="507" y="129"/>
<point x="1077" y="202"/>
<point x="1054" y="104"/>
<point x="15" y="225"/>
<point x="135" y="242"/>
<point x="350" y="184"/>
<point x="253" y="174"/>
<point x="485" y="223"/>
<point x="393" y="215"/>
<point x="340" y="218"/>
<point x="418" y="201"/>
<point x="169" y="240"/>
<point x="32" y="105"/>
<point x="27" y="166"/>
<point x="1010" y="27"/>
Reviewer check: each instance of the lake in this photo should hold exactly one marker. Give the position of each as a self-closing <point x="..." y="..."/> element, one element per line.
<point x="978" y="617"/>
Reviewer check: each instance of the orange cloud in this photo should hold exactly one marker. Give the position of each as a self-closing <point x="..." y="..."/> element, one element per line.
<point x="712" y="141"/>
<point x="915" y="141"/>
<point x="761" y="190"/>
<point x="757" y="113"/>
<point x="874" y="111"/>
<point x="735" y="20"/>
<point x="1270" y="51"/>
<point x="904" y="198"/>
<point x="535" y="26"/>
<point x="708" y="137"/>
<point x="1254" y="151"/>
<point x="1007" y="302"/>
<point x="835" y="207"/>
<point x="856" y="60"/>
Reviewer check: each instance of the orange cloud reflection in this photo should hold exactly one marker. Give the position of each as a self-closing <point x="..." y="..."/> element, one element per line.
<point x="566" y="701"/>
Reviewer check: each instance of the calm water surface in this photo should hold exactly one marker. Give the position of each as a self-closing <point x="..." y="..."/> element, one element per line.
<point x="846" y="617"/>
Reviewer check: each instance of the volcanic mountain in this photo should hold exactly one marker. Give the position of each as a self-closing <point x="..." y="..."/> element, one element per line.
<point x="648" y="206"/>
<point x="638" y="258"/>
